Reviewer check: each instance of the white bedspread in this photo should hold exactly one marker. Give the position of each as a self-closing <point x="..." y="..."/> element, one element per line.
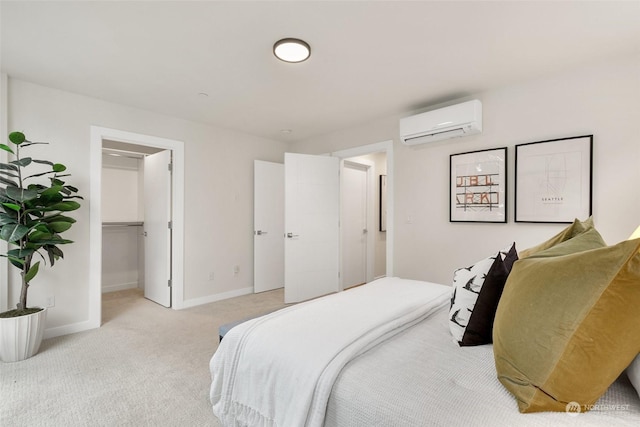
<point x="278" y="370"/>
<point x="422" y="378"/>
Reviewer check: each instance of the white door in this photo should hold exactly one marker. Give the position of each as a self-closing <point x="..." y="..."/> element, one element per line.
<point x="354" y="224"/>
<point x="157" y="214"/>
<point x="312" y="214"/>
<point x="268" y="226"/>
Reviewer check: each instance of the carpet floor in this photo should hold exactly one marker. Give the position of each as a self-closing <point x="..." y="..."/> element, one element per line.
<point x="146" y="366"/>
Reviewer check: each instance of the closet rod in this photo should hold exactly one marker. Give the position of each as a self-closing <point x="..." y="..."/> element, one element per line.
<point x="123" y="224"/>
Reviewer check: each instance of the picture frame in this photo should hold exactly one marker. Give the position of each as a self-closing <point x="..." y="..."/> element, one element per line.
<point x="478" y="186"/>
<point x="383" y="203"/>
<point x="554" y="180"/>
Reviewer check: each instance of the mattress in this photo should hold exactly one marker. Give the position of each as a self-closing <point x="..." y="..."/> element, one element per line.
<point x="421" y="377"/>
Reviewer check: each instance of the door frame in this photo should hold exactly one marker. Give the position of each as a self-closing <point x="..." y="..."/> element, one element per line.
<point x="369" y="169"/>
<point x="387" y="148"/>
<point x="98" y="134"/>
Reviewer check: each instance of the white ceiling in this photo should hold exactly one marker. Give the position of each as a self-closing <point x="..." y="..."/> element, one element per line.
<point x="369" y="59"/>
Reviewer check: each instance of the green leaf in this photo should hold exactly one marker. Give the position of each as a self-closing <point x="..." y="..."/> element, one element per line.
<point x="7" y="219"/>
<point x="59" y="167"/>
<point x="16" y="262"/>
<point x="42" y="228"/>
<point x="38" y="174"/>
<point x="13" y="232"/>
<point x="39" y="236"/>
<point x="52" y="191"/>
<point x="17" y="137"/>
<point x="52" y="241"/>
<point x="20" y="253"/>
<point x="59" y="227"/>
<point x="12" y="206"/>
<point x="65" y="206"/>
<point x="7" y="165"/>
<point x="32" y="272"/>
<point x="71" y="188"/>
<point x="5" y="147"/>
<point x="21" y="195"/>
<point x="43" y="162"/>
<point x="58" y="218"/>
<point x="34" y="143"/>
<point x="54" y="253"/>
<point x="8" y="173"/>
<point x="8" y="181"/>
<point x="22" y="162"/>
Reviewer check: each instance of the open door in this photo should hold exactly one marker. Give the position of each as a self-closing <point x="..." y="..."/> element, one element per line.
<point x="312" y="215"/>
<point x="157" y="229"/>
<point x="268" y="223"/>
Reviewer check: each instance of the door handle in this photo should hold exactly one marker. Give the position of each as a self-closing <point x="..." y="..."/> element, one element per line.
<point x="260" y="233"/>
<point x="291" y="235"/>
<point x="365" y="231"/>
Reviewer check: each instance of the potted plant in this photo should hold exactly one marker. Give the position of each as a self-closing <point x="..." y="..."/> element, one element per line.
<point x="31" y="221"/>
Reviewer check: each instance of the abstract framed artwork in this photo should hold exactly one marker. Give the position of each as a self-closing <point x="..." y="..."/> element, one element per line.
<point x="383" y="203"/>
<point x="478" y="186"/>
<point x="554" y="180"/>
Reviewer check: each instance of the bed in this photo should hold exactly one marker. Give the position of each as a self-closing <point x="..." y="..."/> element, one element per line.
<point x="389" y="353"/>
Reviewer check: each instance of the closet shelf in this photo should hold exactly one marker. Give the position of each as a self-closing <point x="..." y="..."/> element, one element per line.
<point x="123" y="224"/>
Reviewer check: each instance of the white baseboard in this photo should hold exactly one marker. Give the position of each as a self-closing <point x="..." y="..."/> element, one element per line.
<point x="86" y="325"/>
<point x="68" y="329"/>
<point x="216" y="297"/>
<point x="119" y="287"/>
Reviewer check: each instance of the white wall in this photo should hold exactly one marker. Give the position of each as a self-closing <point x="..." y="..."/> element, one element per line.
<point x="121" y="189"/>
<point x="218" y="193"/>
<point x="600" y="99"/>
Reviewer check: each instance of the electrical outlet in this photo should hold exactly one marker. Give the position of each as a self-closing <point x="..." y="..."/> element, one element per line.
<point x="211" y="275"/>
<point x="51" y="301"/>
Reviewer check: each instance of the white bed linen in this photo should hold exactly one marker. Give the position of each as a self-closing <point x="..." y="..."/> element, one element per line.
<point x="421" y="378"/>
<point x="279" y="369"/>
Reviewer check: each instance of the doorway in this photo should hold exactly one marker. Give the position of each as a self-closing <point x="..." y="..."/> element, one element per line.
<point x="295" y="233"/>
<point x="136" y="211"/>
<point x="381" y="156"/>
<point x="127" y="141"/>
<point x="355" y="224"/>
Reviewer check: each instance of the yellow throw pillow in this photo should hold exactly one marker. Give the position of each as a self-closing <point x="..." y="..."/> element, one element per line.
<point x="578" y="227"/>
<point x="567" y="323"/>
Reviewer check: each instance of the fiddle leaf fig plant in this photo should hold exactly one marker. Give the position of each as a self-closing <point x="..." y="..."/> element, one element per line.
<point x="32" y="213"/>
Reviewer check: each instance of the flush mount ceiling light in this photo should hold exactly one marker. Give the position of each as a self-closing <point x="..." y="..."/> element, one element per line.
<point x="291" y="50"/>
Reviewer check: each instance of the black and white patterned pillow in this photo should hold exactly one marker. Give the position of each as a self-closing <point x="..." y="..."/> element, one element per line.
<point x="476" y="293"/>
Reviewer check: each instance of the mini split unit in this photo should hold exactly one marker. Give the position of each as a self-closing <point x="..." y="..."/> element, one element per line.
<point x="444" y="123"/>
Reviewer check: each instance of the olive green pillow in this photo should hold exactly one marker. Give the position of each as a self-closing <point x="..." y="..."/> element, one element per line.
<point x="578" y="227"/>
<point x="567" y="323"/>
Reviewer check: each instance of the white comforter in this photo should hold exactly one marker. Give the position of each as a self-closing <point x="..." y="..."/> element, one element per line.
<point x="278" y="370"/>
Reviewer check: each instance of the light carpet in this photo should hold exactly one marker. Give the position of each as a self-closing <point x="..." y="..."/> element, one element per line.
<point x="146" y="365"/>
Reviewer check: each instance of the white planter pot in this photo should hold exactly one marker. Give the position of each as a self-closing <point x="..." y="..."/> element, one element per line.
<point x="20" y="337"/>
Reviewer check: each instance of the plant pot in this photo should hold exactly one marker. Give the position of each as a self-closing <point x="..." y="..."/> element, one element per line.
<point x="20" y="337"/>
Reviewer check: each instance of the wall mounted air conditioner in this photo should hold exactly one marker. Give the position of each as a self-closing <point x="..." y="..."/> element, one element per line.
<point x="444" y="123"/>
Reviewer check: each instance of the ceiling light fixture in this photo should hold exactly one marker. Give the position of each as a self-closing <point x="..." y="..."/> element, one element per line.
<point x="291" y="50"/>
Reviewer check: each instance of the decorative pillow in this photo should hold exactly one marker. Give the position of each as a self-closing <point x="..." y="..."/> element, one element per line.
<point x="562" y="329"/>
<point x="633" y="372"/>
<point x="476" y="292"/>
<point x="578" y="227"/>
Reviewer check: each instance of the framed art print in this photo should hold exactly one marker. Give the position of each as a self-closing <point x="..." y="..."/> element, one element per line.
<point x="478" y="186"/>
<point x="383" y="203"/>
<point x="554" y="180"/>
